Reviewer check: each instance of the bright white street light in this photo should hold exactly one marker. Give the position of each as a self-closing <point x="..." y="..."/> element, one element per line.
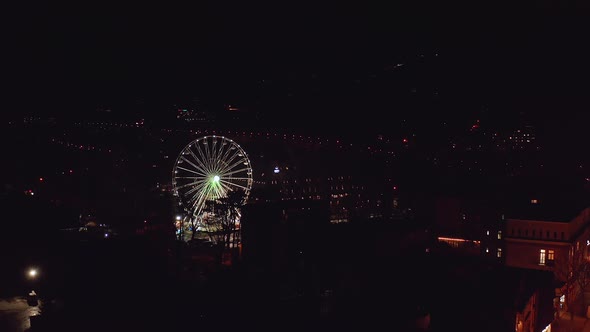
<point x="32" y="273"/>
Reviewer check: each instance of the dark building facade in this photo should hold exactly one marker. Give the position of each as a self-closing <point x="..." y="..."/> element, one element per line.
<point x="533" y="303"/>
<point x="282" y="247"/>
<point x="469" y="226"/>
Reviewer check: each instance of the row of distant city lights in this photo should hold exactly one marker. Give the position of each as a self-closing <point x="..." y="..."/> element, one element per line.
<point x="276" y="169"/>
<point x="112" y="124"/>
<point x="80" y="146"/>
<point x="268" y="135"/>
<point x="215" y="132"/>
<point x="311" y="180"/>
<point x="300" y="138"/>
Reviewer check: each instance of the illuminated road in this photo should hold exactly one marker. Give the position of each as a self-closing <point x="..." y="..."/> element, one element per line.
<point x="15" y="313"/>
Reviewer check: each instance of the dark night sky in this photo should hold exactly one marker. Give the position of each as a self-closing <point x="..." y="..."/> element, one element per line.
<point x="64" y="57"/>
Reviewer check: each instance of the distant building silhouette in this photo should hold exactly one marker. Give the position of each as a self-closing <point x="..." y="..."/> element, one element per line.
<point x="469" y="226"/>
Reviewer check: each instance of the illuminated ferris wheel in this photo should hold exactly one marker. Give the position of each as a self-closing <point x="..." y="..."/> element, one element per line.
<point x="206" y="170"/>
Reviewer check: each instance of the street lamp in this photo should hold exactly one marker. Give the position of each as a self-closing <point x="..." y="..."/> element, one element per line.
<point x="32" y="273"/>
<point x="32" y="299"/>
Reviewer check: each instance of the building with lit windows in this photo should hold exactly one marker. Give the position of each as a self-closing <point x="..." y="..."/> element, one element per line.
<point x="533" y="306"/>
<point x="350" y="197"/>
<point x="469" y="226"/>
<point x="558" y="247"/>
<point x="542" y="244"/>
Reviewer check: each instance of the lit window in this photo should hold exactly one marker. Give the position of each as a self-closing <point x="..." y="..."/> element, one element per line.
<point x="534" y="201"/>
<point x="499" y="253"/>
<point x="487" y="250"/>
<point x="487" y="232"/>
<point x="499" y="235"/>
<point x="550" y="255"/>
<point x="542" y="257"/>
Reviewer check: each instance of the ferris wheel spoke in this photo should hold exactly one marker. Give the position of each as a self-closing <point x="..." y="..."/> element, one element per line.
<point x="189" y="170"/>
<point x="192" y="153"/>
<point x="219" y="192"/>
<point x="194" y="165"/>
<point x="204" y="159"/>
<point x="231" y="169"/>
<point x="224" y="158"/>
<point x="229" y="161"/>
<point x="227" y="165"/>
<point x="191" y="177"/>
<point x="197" y="213"/>
<point x="199" y="187"/>
<point x="196" y="170"/>
<point x="219" y="159"/>
<point x="235" y="185"/>
<point x="226" y="187"/>
<point x="226" y="153"/>
<point x="212" y="154"/>
<point x="205" y="192"/>
<point x="199" y="203"/>
<point x="195" y="199"/>
<point x="208" y="154"/>
<point x="208" y="195"/>
<point x="196" y="188"/>
<point x="235" y="178"/>
<point x="223" y="164"/>
<point x="187" y="185"/>
<point x="226" y="174"/>
<point x="215" y="150"/>
<point x="200" y="158"/>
